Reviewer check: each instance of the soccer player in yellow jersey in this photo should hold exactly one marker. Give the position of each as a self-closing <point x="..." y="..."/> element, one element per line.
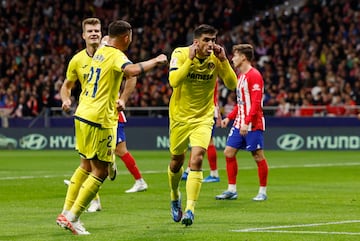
<point x="96" y="117"/>
<point x="192" y="75"/>
<point x="78" y="70"/>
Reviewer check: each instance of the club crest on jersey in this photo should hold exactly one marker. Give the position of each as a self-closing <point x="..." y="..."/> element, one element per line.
<point x="211" y="65"/>
<point x="256" y="87"/>
<point x="99" y="57"/>
<point x="173" y="62"/>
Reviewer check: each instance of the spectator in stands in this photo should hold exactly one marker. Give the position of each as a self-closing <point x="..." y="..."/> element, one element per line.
<point x="306" y="109"/>
<point x="20" y="109"/>
<point x="336" y="107"/>
<point x="30" y="49"/>
<point x="32" y="105"/>
<point x="231" y="102"/>
<point x="350" y="105"/>
<point x="283" y="109"/>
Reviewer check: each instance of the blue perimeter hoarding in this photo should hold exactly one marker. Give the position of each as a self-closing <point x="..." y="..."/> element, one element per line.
<point x="288" y="134"/>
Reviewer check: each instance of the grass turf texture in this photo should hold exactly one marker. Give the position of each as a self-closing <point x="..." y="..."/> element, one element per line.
<point x="307" y="191"/>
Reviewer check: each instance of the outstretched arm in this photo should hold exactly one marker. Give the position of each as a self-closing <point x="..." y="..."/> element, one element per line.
<point x="142" y="67"/>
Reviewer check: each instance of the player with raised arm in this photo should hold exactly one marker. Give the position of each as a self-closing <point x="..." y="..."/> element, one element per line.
<point x="192" y="75"/>
<point x="96" y="117"/>
<point x="249" y="125"/>
<point x="122" y="152"/>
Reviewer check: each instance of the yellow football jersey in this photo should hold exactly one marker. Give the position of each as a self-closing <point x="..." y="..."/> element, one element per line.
<point x="98" y="99"/>
<point x="193" y="83"/>
<point x="78" y="68"/>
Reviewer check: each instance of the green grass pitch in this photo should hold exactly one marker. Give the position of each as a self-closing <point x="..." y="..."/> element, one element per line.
<point x="312" y="196"/>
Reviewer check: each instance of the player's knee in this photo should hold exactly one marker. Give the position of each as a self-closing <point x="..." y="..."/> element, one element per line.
<point x="258" y="155"/>
<point x="176" y="162"/>
<point x="229" y="153"/>
<point x="85" y="164"/>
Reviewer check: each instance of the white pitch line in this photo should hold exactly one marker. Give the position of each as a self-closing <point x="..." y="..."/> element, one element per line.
<point x="270" y="229"/>
<point x="306" y="232"/>
<point x="165" y="170"/>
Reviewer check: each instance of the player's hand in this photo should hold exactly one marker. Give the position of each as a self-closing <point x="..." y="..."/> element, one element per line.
<point x="219" y="52"/>
<point x="120" y="105"/>
<point x="66" y="105"/>
<point x="193" y="49"/>
<point x="161" y="59"/>
<point x="244" y="130"/>
<point x="224" y="122"/>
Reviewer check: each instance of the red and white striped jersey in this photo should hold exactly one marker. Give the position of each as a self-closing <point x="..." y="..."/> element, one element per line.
<point x="249" y="97"/>
<point x="122" y="117"/>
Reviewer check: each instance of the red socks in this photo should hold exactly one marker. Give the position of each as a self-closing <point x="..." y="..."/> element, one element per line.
<point x="263" y="170"/>
<point x="130" y="164"/>
<point x="231" y="169"/>
<point x="212" y="157"/>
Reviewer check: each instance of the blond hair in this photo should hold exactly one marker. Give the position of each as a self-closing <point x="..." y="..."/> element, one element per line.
<point x="90" y="21"/>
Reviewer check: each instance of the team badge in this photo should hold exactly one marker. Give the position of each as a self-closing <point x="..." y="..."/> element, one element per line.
<point x="173" y="62"/>
<point x="211" y="65"/>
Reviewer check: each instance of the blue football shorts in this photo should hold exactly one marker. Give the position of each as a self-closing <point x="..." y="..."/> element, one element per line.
<point x="253" y="141"/>
<point x="120" y="133"/>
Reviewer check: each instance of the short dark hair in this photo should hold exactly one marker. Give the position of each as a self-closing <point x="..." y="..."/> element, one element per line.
<point x="119" y="27"/>
<point x="245" y="49"/>
<point x="204" y="29"/>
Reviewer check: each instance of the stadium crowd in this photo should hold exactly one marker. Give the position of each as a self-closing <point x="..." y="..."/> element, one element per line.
<point x="309" y="56"/>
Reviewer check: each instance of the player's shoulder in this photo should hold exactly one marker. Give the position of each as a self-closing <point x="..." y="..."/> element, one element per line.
<point x="181" y="50"/>
<point x="254" y="75"/>
<point x="254" y="72"/>
<point x="80" y="56"/>
<point x="110" y="51"/>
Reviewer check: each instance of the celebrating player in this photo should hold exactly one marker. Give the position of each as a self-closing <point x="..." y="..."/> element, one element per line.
<point x="96" y="117"/>
<point x="192" y="75"/>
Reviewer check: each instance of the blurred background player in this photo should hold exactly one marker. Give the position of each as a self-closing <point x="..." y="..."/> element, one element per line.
<point x="78" y="69"/>
<point x="248" y="128"/>
<point x="193" y="73"/>
<point x="211" y="150"/>
<point x="129" y="161"/>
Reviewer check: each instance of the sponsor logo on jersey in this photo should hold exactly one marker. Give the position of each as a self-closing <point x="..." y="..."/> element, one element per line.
<point x="200" y="76"/>
<point x="256" y="87"/>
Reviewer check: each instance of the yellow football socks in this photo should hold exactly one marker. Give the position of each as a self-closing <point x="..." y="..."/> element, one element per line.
<point x="97" y="196"/>
<point x="87" y="192"/>
<point x="193" y="186"/>
<point x="174" y="181"/>
<point x="76" y="181"/>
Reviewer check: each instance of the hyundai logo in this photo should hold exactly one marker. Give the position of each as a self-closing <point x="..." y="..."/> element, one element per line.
<point x="33" y="142"/>
<point x="290" y="142"/>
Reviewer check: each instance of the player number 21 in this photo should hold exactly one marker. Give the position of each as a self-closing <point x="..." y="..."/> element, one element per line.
<point x="97" y="77"/>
